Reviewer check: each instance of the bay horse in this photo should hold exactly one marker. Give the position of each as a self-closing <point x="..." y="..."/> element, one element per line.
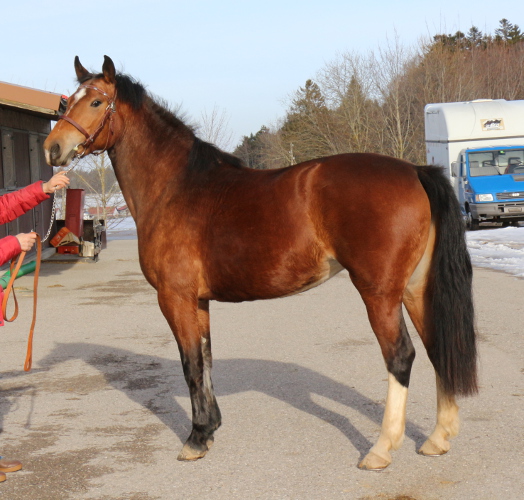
<point x="210" y="228"/>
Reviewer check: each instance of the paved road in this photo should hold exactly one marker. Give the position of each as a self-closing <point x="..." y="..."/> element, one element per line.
<point x="300" y="382"/>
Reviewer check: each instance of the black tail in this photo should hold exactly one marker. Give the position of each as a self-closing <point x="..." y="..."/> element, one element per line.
<point x="453" y="351"/>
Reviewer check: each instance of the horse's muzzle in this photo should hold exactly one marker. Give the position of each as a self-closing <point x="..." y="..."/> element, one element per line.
<point x="55" y="156"/>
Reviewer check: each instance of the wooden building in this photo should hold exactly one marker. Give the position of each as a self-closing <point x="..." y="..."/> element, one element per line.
<point x="25" y="122"/>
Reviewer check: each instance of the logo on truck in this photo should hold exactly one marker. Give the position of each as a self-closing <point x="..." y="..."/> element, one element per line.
<point x="492" y="124"/>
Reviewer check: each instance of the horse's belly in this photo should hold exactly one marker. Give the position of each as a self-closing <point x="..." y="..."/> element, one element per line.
<point x="261" y="285"/>
<point x="330" y="268"/>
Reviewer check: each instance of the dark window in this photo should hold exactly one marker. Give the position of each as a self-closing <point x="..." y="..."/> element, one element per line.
<point x="23" y="170"/>
<point x="8" y="160"/>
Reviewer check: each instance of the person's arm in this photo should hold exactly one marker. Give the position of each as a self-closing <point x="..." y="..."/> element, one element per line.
<point x="17" y="203"/>
<point x="9" y="248"/>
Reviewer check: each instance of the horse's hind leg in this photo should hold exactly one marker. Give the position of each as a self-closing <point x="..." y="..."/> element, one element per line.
<point x="416" y="302"/>
<point x="447" y="426"/>
<point x="448" y="421"/>
<point x="385" y="315"/>
<point x="190" y="325"/>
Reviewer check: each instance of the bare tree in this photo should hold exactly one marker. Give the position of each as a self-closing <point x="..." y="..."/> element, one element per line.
<point x="396" y="99"/>
<point x="214" y="128"/>
<point x="97" y="177"/>
<point x="277" y="151"/>
<point x="309" y="127"/>
<point x="348" y="86"/>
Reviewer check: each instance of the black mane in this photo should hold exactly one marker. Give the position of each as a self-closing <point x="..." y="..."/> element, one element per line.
<point x="203" y="154"/>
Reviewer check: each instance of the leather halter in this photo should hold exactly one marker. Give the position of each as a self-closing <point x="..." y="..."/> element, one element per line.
<point x="90" y="138"/>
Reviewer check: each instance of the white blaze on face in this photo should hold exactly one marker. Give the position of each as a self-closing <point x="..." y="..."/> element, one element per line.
<point x="75" y="98"/>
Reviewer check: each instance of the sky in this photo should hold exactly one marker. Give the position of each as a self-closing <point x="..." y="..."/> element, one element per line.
<point x="242" y="59"/>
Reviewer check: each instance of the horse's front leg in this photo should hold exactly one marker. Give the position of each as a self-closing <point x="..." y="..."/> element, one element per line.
<point x="189" y="321"/>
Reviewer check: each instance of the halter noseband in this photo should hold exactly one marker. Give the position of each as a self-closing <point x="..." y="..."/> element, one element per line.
<point x="90" y="138"/>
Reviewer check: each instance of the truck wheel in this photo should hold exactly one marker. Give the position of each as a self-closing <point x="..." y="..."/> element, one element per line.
<point x="472" y="224"/>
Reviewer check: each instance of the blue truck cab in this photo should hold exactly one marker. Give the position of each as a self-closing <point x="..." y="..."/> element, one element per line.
<point x="491" y="185"/>
<point x="480" y="145"/>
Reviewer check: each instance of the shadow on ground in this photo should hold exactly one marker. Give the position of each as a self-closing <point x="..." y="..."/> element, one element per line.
<point x="153" y="382"/>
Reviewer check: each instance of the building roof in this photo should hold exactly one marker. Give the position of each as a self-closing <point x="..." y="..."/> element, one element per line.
<point x="40" y="102"/>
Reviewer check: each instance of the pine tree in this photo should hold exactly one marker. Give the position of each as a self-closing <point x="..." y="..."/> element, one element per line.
<point x="251" y="149"/>
<point x="508" y="32"/>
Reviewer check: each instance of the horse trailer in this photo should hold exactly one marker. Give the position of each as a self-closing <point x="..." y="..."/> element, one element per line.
<point x="480" y="144"/>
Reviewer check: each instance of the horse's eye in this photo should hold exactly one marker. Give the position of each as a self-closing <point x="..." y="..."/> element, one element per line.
<point x="96" y="103"/>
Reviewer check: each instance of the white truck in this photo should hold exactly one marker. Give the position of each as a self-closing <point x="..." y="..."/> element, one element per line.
<point x="480" y="144"/>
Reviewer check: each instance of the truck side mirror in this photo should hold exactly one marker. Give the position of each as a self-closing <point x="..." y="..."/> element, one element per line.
<point x="455" y="169"/>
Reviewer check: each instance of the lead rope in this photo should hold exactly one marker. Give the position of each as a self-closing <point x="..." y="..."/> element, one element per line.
<point x="29" y="356"/>
<point x="9" y="289"/>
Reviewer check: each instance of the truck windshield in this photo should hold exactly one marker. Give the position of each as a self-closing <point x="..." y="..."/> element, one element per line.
<point x="496" y="162"/>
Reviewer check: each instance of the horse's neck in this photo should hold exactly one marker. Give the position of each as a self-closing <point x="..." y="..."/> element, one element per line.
<point x="146" y="157"/>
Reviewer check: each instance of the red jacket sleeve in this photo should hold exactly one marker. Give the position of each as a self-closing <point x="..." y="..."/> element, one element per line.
<point x="9" y="248"/>
<point x="13" y="205"/>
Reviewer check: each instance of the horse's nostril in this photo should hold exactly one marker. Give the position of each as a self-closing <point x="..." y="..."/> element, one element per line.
<point x="55" y="151"/>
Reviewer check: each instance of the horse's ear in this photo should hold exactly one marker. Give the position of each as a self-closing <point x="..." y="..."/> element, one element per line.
<point x="81" y="72"/>
<point x="109" y="70"/>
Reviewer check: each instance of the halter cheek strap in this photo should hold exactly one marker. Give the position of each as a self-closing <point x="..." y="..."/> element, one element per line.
<point x="108" y="115"/>
<point x="75" y="124"/>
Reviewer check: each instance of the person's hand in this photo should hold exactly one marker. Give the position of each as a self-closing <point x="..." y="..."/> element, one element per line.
<point x="26" y="240"/>
<point x="58" y="181"/>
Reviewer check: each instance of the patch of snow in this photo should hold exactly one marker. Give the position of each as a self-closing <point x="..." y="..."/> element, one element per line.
<point x="501" y="249"/>
<point x="125" y="229"/>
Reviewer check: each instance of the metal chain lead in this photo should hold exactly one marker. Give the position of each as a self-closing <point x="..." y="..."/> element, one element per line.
<point x="52" y="219"/>
<point x="53" y="212"/>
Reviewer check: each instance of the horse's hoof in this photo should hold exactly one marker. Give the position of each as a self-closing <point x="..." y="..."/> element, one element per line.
<point x="431" y="449"/>
<point x="373" y="462"/>
<point x="189" y="454"/>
